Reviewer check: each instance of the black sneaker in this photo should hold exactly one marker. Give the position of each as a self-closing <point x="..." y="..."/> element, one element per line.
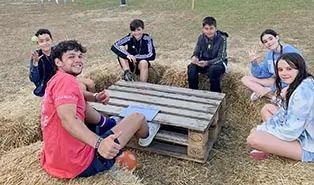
<point x="128" y="75"/>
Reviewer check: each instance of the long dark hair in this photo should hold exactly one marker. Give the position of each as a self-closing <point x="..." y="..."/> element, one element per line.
<point x="297" y="62"/>
<point x="268" y="32"/>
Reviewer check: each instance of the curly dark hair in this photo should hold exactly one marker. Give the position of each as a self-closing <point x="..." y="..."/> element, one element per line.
<point x="65" y="46"/>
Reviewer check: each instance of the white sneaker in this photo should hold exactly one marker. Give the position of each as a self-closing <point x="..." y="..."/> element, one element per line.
<point x="254" y="97"/>
<point x="116" y="118"/>
<point x="152" y="131"/>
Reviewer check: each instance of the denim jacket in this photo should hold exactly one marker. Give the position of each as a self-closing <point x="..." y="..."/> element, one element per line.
<point x="41" y="73"/>
<point x="296" y="122"/>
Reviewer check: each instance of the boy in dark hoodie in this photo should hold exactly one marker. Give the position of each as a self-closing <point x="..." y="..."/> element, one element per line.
<point x="210" y="56"/>
<point x="41" y="66"/>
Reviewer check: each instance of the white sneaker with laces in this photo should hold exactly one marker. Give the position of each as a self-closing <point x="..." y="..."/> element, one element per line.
<point x="116" y="118"/>
<point x="254" y="97"/>
<point x="152" y="131"/>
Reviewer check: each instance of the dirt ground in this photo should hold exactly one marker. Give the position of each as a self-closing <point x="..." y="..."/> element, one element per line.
<point x="97" y="29"/>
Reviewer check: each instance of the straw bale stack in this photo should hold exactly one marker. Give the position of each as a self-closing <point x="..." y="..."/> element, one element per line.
<point x="20" y="120"/>
<point x="22" y="166"/>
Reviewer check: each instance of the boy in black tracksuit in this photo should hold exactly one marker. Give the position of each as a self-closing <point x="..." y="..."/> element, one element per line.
<point x="210" y="56"/>
<point x="135" y="51"/>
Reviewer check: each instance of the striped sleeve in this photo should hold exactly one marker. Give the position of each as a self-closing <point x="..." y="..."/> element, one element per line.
<point x="222" y="52"/>
<point x="116" y="47"/>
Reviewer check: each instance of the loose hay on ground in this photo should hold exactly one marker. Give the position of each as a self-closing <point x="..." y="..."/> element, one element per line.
<point x="21" y="166"/>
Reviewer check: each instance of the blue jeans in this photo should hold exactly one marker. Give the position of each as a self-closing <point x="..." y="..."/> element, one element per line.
<point x="99" y="164"/>
<point x="307" y="156"/>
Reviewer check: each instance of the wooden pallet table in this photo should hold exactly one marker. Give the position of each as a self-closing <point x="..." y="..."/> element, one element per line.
<point x="190" y="119"/>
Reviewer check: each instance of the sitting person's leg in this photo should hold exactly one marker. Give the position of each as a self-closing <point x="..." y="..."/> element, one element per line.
<point x="193" y="71"/>
<point x="127" y="67"/>
<point x="143" y="66"/>
<point x="93" y="118"/>
<point x="268" y="143"/>
<point x="214" y="74"/>
<point x="268" y="111"/>
<point x="134" y="124"/>
<point x="260" y="87"/>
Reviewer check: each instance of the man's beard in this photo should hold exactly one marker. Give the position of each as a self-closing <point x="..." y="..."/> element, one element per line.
<point x="74" y="74"/>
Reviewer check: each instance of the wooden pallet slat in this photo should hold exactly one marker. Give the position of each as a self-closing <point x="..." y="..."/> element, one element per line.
<point x="172" y="137"/>
<point x="172" y="89"/>
<point x="163" y="109"/>
<point x="190" y="98"/>
<point x="161" y="101"/>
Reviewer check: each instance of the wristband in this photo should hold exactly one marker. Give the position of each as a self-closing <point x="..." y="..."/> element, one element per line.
<point x="95" y="95"/>
<point x="98" y="143"/>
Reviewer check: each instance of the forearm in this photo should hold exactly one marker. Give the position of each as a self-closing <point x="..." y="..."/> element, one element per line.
<point x="89" y="96"/>
<point x="34" y="72"/>
<point x="78" y="130"/>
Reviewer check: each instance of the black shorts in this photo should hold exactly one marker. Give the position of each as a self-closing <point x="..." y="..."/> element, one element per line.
<point x="132" y="66"/>
<point x="99" y="163"/>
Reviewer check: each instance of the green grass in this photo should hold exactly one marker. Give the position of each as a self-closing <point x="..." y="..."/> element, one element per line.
<point x="232" y="14"/>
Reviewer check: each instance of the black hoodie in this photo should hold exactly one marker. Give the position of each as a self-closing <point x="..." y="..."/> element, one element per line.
<point x="214" y="51"/>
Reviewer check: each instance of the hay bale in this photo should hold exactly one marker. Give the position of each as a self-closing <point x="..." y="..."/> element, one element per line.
<point x="103" y="75"/>
<point x="21" y="166"/>
<point x="240" y="108"/>
<point x="106" y="75"/>
<point x="20" y="120"/>
<point x="174" y="77"/>
<point x="178" y="77"/>
<point x="18" y="133"/>
<point x="156" y="72"/>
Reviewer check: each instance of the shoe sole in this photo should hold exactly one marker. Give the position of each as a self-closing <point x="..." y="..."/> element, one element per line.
<point x="152" y="138"/>
<point x="259" y="155"/>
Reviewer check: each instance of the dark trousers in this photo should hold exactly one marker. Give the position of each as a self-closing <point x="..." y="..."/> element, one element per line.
<point x="213" y="72"/>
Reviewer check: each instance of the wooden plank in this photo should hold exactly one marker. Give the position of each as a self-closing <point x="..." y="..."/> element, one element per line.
<point x="197" y="138"/>
<point x="161" y="118"/>
<point x="172" y="137"/>
<point x="172" y="89"/>
<point x="190" y="97"/>
<point x="167" y="149"/>
<point x="161" y="101"/>
<point x="164" y="109"/>
<point x="222" y="111"/>
<point x="214" y="132"/>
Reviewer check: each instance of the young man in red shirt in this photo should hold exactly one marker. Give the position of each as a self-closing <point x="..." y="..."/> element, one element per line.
<point x="70" y="148"/>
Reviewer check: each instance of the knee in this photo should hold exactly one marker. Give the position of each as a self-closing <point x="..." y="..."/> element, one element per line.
<point x="139" y="117"/>
<point x="215" y="72"/>
<point x="252" y="140"/>
<point x="143" y="65"/>
<point x="192" y="69"/>
<point x="245" y="79"/>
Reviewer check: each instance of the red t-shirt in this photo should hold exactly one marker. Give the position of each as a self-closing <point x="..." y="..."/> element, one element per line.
<point x="62" y="155"/>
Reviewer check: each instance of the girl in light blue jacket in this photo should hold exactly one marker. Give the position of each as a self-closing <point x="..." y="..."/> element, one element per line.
<point x="289" y="132"/>
<point x="263" y="75"/>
